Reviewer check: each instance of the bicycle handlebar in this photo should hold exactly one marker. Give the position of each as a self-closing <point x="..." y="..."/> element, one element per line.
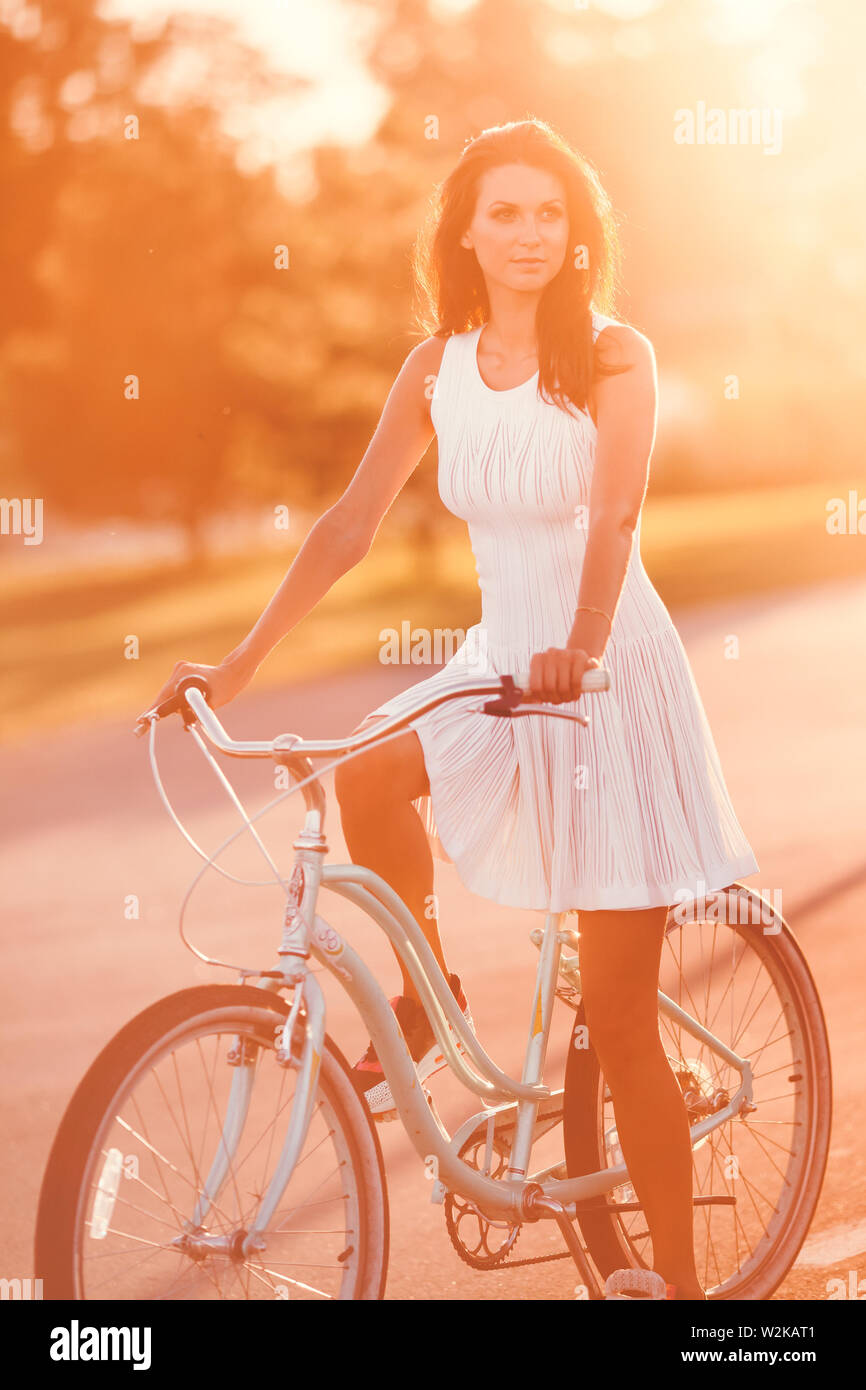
<point x="193" y="692"/>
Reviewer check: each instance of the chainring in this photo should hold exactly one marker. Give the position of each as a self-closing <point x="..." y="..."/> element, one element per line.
<point x="469" y="1232"/>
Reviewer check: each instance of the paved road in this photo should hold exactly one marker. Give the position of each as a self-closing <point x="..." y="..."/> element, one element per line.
<point x="85" y="829"/>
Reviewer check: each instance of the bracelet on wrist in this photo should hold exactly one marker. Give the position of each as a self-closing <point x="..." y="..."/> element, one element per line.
<point x="585" y="608"/>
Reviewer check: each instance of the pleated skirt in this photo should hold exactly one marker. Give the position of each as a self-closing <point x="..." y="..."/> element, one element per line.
<point x="541" y="813"/>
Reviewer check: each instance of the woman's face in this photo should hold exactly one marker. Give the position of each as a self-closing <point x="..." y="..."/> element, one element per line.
<point x="519" y="230"/>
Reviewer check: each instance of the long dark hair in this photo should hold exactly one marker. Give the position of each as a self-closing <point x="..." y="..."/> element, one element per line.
<point x="449" y="283"/>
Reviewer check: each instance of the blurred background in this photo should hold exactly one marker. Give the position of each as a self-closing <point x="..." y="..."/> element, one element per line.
<point x="216" y="203"/>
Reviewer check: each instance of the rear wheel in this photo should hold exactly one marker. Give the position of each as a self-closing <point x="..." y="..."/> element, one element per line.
<point x="151" y="1120"/>
<point x="748" y="983"/>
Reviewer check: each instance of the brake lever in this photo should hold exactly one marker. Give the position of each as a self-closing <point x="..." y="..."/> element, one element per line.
<point x="512" y="696"/>
<point x="509" y="699"/>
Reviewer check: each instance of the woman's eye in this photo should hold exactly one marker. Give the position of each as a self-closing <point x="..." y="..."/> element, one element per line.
<point x="509" y="212"/>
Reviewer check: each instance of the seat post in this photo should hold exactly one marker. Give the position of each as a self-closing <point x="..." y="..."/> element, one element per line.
<point x="536" y="1045"/>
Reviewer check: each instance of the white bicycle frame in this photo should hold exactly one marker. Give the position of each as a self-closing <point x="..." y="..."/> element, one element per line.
<point x="517" y="1197"/>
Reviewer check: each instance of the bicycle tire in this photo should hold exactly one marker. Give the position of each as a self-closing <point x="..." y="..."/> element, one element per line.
<point x="60" y="1217"/>
<point x="584" y="1143"/>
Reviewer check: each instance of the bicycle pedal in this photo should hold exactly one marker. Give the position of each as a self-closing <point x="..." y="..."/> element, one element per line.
<point x="630" y="1284"/>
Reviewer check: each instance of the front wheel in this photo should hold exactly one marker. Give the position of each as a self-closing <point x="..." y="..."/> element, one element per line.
<point x="757" y="1178"/>
<point x="189" y="1089"/>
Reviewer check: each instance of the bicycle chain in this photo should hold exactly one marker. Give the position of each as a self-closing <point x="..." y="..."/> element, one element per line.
<point x="533" y="1260"/>
<point x="506" y="1262"/>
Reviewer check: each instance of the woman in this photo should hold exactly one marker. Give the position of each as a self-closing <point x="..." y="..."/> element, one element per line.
<point x="545" y="412"/>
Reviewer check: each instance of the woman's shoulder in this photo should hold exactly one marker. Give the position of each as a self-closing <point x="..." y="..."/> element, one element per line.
<point x="428" y="354"/>
<point x="424" y="366"/>
<point x="602" y="321"/>
<point x="622" y="333"/>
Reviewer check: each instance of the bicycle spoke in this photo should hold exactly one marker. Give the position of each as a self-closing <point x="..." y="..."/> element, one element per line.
<point x="271" y="1126"/>
<point x="125" y="1235"/>
<point x="171" y="1166"/>
<point x="767" y="1139"/>
<point x="783" y="1066"/>
<point x="750" y="1192"/>
<point x="179" y="1216"/>
<point x="738" y="1224"/>
<point x="735" y="1221"/>
<point x="308" y="1288"/>
<point x="142" y="1261"/>
<point x="711" y="1241"/>
<point x="768" y="1100"/>
<point x="142" y="1139"/>
<point x="124" y="1201"/>
<point x="303" y="1206"/>
<point x="773" y="1041"/>
<point x="738" y="1029"/>
<point x="742" y="1029"/>
<point x="761" y="1140"/>
<point x="197" y="1185"/>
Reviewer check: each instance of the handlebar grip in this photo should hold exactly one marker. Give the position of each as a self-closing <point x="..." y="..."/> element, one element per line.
<point x="176" y="702"/>
<point x="594" y="678"/>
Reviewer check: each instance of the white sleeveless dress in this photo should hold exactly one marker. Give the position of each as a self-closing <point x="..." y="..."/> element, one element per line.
<point x="542" y="813"/>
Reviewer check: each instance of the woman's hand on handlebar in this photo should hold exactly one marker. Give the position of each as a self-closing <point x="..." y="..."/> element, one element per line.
<point x="225" y="681"/>
<point x="555" y="675"/>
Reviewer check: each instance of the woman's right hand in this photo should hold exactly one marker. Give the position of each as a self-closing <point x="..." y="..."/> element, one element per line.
<point x="225" y="681"/>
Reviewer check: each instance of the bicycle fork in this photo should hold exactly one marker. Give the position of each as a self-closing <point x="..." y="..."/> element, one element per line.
<point x="300" y="1045"/>
<point x="303" y="1052"/>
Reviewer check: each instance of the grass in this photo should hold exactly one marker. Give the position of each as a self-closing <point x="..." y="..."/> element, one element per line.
<point x="84" y="645"/>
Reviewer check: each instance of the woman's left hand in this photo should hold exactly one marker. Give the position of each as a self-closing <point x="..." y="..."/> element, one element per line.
<point x="555" y="675"/>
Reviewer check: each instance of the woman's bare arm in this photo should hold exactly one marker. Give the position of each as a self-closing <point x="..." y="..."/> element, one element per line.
<point x="344" y="533"/>
<point x="627" y="413"/>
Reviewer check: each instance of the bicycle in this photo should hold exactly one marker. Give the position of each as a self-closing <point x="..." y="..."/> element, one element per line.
<point x="217" y="1147"/>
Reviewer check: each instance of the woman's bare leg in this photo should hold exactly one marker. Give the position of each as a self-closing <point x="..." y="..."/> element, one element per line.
<point x="620" y="954"/>
<point x="384" y="831"/>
